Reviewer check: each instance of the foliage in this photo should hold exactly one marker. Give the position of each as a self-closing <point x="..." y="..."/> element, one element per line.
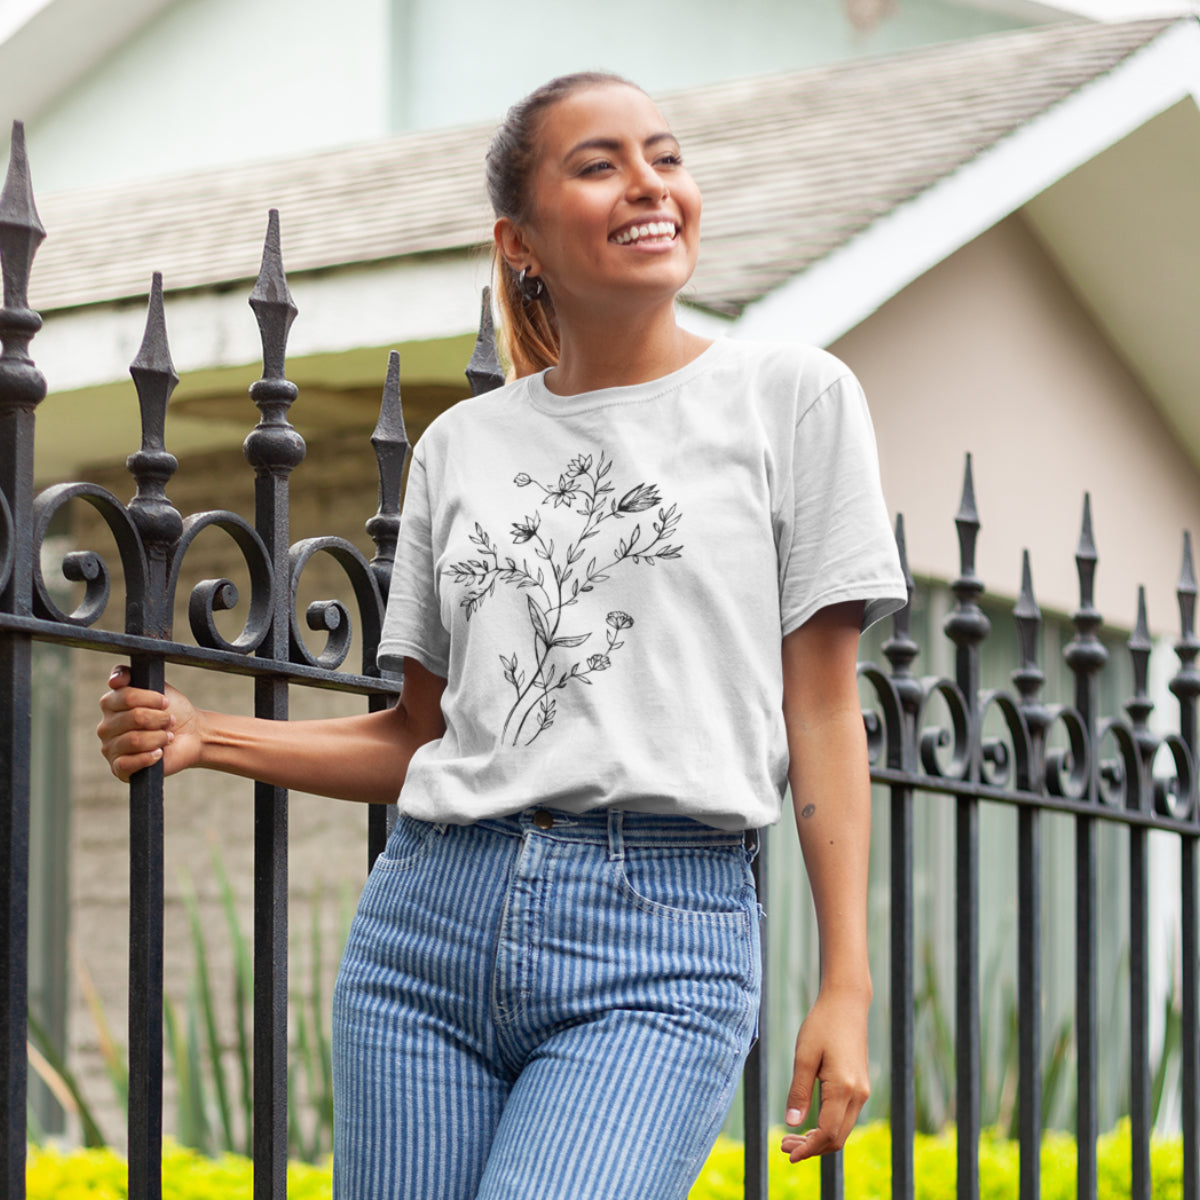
<point x="214" y="1106"/>
<point x="99" y="1174"/>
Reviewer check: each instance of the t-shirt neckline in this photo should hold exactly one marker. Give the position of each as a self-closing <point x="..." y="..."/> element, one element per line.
<point x="543" y="399"/>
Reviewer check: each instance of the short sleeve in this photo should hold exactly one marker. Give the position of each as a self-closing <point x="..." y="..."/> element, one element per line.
<point x="412" y="625"/>
<point x="837" y="543"/>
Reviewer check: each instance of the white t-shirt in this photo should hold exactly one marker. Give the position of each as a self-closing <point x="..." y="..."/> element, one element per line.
<point x="604" y="581"/>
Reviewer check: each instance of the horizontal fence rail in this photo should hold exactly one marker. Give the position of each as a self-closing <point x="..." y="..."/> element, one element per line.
<point x="926" y="735"/>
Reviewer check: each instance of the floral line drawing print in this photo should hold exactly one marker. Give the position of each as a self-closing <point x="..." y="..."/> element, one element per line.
<point x="555" y="584"/>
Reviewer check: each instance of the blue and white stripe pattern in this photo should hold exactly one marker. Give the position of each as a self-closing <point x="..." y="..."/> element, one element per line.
<point x="542" y="1007"/>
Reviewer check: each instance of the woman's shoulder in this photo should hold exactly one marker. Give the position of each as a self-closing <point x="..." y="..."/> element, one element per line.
<point x="473" y="414"/>
<point x="807" y="372"/>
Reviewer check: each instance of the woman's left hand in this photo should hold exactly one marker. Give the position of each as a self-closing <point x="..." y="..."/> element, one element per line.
<point x="832" y="1049"/>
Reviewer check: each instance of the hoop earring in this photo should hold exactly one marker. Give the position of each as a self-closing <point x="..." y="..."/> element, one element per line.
<point x="532" y="287"/>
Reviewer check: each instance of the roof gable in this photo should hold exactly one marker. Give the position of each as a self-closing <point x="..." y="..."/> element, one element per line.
<point x="794" y="166"/>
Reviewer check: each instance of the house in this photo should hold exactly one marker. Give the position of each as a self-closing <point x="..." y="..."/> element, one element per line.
<point x="994" y="233"/>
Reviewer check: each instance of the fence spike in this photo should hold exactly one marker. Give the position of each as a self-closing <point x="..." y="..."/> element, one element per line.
<point x="21" y="230"/>
<point x="966" y="521"/>
<point x="900" y="649"/>
<point x="967" y="625"/>
<point x="1028" y="616"/>
<point x="390" y="440"/>
<point x="1186" y="590"/>
<point x="484" y="372"/>
<point x="1139" y="639"/>
<point x="1086" y="557"/>
<point x="272" y="302"/>
<point x="152" y="466"/>
<point x="1186" y="682"/>
<point x="902" y="549"/>
<point x="273" y="447"/>
<point x="153" y="371"/>
<point x="1139" y="706"/>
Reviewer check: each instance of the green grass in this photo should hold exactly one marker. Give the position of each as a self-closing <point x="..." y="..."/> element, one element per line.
<point x="100" y="1174"/>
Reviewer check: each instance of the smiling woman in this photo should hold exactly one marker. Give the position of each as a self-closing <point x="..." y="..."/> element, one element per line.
<point x="627" y="598"/>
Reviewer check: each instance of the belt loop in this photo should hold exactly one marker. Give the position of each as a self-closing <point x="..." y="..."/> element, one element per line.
<point x="616" y="837"/>
<point x="752" y="842"/>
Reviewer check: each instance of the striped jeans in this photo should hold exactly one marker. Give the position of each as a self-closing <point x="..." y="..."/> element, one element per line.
<point x="543" y="1007"/>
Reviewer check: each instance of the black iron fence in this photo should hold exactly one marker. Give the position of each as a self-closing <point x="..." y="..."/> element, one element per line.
<point x="951" y="736"/>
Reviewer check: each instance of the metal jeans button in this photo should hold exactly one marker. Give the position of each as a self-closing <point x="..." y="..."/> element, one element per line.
<point x="542" y="819"/>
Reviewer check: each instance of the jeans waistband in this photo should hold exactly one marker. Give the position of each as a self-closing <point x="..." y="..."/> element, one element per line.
<point x="618" y="829"/>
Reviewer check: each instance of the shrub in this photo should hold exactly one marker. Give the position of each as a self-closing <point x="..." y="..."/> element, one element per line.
<point x="100" y="1174"/>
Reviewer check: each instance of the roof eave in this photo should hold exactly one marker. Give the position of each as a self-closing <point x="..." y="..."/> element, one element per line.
<point x="842" y="289"/>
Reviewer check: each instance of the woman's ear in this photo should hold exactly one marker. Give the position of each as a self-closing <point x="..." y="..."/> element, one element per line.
<point x="513" y="246"/>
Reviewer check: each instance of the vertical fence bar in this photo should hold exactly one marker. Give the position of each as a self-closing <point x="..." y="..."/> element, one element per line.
<point x="22" y="388"/>
<point x="1139" y="1016"/>
<point x="755" y="1092"/>
<point x="900" y="651"/>
<point x="274" y="449"/>
<point x="390" y="441"/>
<point x="1189" y="936"/>
<point x="967" y="626"/>
<point x="1028" y="679"/>
<point x="1085" y="655"/>
<point x="160" y="526"/>
<point x="1029" y="999"/>
<point x="903" y="1086"/>
<point x="833" y="1183"/>
<point x="1186" y="687"/>
<point x="1138" y="797"/>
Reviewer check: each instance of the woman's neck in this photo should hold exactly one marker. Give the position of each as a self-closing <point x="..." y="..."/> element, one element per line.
<point x="617" y="353"/>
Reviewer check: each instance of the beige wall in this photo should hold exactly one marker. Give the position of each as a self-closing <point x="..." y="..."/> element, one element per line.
<point x="990" y="353"/>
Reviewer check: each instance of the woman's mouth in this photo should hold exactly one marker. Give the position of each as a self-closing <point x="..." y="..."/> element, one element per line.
<point x="650" y="232"/>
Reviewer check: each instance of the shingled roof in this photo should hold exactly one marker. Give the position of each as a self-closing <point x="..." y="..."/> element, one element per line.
<point x="791" y="167"/>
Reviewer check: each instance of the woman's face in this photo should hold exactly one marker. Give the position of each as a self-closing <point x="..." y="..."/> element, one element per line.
<point x="613" y="215"/>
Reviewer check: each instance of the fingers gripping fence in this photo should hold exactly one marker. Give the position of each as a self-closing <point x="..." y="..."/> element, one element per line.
<point x="1058" y="758"/>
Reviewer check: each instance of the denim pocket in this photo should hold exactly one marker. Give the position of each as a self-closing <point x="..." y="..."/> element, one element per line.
<point x="693" y="883"/>
<point x="406" y="845"/>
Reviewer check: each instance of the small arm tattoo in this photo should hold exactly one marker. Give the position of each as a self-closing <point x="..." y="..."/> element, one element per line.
<point x="808" y="810"/>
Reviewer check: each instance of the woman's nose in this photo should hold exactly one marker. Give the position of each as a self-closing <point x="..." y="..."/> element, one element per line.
<point x="646" y="181"/>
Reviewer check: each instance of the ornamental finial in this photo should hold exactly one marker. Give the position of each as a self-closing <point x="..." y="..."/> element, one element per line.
<point x="390" y="440"/>
<point x="21" y="230"/>
<point x="272" y="302"/>
<point x="484" y="372"/>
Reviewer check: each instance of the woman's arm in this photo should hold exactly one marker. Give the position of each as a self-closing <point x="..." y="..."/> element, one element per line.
<point x="830" y="786"/>
<point x="349" y="758"/>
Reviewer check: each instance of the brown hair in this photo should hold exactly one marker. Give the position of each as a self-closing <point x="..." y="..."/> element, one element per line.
<point x="529" y="329"/>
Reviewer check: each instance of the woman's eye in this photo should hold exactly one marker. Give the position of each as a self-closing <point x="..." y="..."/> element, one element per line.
<point x="593" y="168"/>
<point x="669" y="160"/>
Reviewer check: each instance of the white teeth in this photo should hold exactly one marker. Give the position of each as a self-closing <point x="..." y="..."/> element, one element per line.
<point x="652" y="229"/>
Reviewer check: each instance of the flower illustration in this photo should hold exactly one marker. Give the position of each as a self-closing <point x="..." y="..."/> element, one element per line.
<point x="564" y="493"/>
<point x="523" y="531"/>
<point x="638" y="499"/>
<point x="557" y="577"/>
